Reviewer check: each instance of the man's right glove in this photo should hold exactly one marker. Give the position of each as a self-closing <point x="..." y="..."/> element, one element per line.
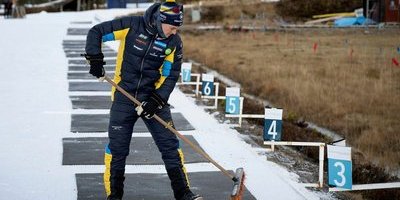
<point x="96" y="63"/>
<point x="150" y="106"/>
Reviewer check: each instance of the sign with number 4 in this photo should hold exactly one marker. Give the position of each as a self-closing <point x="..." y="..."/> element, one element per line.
<point x="186" y="72"/>
<point x="207" y="88"/>
<point x="339" y="167"/>
<point x="232" y="105"/>
<point x="273" y="124"/>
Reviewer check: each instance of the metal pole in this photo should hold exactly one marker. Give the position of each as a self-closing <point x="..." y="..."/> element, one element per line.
<point x="78" y="5"/>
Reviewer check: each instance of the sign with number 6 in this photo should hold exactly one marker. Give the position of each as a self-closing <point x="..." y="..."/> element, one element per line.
<point x="207" y="88"/>
<point x="273" y="124"/>
<point x="232" y="101"/>
<point x="339" y="167"/>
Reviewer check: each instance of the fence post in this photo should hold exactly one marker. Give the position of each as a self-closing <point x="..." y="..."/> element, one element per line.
<point x="321" y="164"/>
<point x="197" y="84"/>
<point x="216" y="95"/>
<point x="241" y="111"/>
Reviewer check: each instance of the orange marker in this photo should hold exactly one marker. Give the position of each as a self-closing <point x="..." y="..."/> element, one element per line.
<point x="315" y="47"/>
<point x="395" y="62"/>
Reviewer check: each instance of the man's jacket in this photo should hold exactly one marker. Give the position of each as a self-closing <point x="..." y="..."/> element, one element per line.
<point x="145" y="62"/>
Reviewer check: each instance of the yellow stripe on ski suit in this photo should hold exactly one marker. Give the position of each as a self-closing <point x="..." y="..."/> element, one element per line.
<point x="183" y="166"/>
<point x="169" y="58"/>
<point x="107" y="173"/>
<point x="119" y="35"/>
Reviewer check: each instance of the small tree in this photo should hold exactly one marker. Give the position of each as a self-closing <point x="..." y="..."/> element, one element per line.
<point x="19" y="9"/>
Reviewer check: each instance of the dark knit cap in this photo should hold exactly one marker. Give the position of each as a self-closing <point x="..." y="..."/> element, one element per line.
<point x="171" y="13"/>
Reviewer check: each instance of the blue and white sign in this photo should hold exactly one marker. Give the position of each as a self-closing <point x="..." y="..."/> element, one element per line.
<point x="232" y="105"/>
<point x="273" y="124"/>
<point x="186" y="71"/>
<point x="207" y="88"/>
<point x="339" y="167"/>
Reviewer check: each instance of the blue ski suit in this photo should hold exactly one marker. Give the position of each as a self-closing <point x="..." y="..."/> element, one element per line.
<point x="145" y="64"/>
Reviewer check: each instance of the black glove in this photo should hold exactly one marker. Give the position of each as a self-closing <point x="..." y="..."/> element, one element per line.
<point x="150" y="106"/>
<point x="96" y="63"/>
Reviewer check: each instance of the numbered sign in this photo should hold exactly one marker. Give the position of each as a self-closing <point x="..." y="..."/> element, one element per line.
<point x="339" y="167"/>
<point x="273" y="124"/>
<point x="207" y="88"/>
<point x="186" y="71"/>
<point x="232" y="105"/>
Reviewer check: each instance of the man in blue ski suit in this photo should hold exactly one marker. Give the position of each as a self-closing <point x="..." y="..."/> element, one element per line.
<point x="148" y="66"/>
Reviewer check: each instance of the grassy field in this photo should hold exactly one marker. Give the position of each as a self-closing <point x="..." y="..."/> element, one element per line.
<point x="341" y="79"/>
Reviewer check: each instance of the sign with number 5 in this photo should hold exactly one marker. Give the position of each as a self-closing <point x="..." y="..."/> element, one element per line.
<point x="232" y="101"/>
<point x="339" y="167"/>
<point x="207" y="84"/>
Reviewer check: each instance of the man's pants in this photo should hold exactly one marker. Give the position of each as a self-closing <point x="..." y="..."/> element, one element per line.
<point x="7" y="9"/>
<point x="122" y="120"/>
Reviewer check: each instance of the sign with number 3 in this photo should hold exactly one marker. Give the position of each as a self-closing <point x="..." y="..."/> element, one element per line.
<point x="339" y="167"/>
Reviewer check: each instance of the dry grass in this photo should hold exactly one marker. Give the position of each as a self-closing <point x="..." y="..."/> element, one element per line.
<point x="246" y="13"/>
<point x="357" y="96"/>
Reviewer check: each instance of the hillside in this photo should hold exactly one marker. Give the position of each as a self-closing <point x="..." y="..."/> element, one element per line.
<point x="341" y="79"/>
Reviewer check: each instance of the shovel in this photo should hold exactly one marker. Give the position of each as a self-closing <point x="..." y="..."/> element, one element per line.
<point x="237" y="178"/>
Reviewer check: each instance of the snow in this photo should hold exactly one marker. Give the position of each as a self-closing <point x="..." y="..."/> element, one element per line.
<point x="36" y="115"/>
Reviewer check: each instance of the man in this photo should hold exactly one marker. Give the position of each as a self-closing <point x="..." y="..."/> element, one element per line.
<point x="7" y="8"/>
<point x="148" y="66"/>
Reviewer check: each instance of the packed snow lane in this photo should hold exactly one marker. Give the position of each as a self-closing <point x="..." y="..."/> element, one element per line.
<point x="36" y="116"/>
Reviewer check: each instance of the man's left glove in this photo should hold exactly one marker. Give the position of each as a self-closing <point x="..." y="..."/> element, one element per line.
<point x="150" y="106"/>
<point x="96" y="63"/>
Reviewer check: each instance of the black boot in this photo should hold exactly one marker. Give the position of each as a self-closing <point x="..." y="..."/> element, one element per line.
<point x="112" y="198"/>
<point x="180" y="185"/>
<point x="117" y="185"/>
<point x="190" y="196"/>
